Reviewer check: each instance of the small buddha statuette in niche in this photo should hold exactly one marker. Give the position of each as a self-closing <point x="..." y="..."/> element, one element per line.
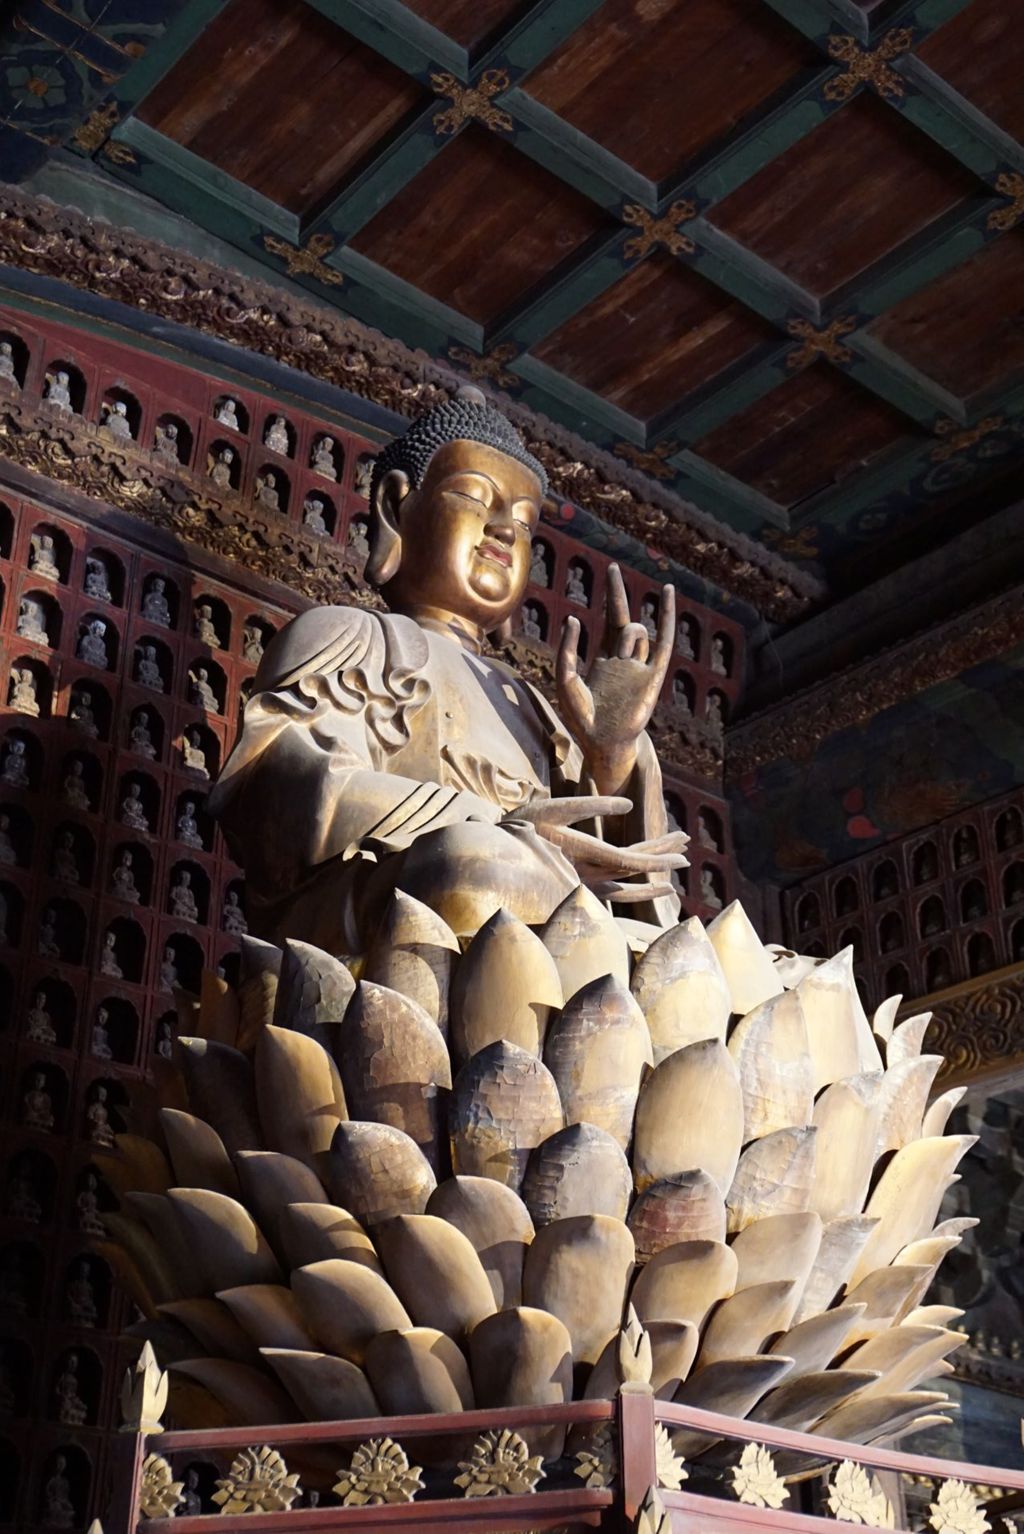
<point x="40" y="1023"/>
<point x="232" y="917"/>
<point x="182" y="899"/>
<point x="227" y="414"/>
<point x="8" y="377"/>
<point x="31" y="623"/>
<point x="147" y="668"/>
<point x="155" y="608"/>
<point x="92" y="644"/>
<point x="57" y="391"/>
<point x="266" y="491"/>
<point x="133" y="811"/>
<point x="74" y="791"/>
<point x="23" y="695"/>
<point x="323" y="458"/>
<point x="37" y="1106"/>
<point x="42" y="558"/>
<point x="15" y="768"/>
<point x="115" y="420"/>
<point x="122" y="880"/>
<point x="97" y="579"/>
<point x="188" y="826"/>
<point x="313" y="516"/>
<point x="276" y="438"/>
<point x="204" y="627"/>
<point x="109" y="963"/>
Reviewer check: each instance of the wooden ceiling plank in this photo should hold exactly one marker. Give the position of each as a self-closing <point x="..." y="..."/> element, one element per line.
<point x="158" y="60"/>
<point x="579" y="161"/>
<point x="398" y="162"/>
<point x="954" y="123"/>
<point x="396" y="33"/>
<point x="733" y="391"/>
<point x="530" y="322"/>
<point x="533" y="37"/>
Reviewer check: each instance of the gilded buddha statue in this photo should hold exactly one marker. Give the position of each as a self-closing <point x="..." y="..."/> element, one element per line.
<point x="391" y="750"/>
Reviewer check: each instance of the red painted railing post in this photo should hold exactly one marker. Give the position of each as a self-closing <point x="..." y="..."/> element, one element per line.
<point x="637" y="1462"/>
<point x="129" y="1452"/>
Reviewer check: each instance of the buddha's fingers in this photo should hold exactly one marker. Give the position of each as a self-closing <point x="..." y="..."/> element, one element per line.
<point x="628" y="894"/>
<point x="586" y="850"/>
<point x="567" y="811"/>
<point x="672" y="841"/>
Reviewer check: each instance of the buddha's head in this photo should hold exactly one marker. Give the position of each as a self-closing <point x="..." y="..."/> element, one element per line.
<point x="455" y="502"/>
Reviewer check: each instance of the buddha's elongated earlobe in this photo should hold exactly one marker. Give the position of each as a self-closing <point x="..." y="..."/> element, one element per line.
<point x="502" y="634"/>
<point x="385" y="528"/>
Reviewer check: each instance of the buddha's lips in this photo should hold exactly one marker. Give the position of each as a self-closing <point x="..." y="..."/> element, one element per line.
<point x="491" y="551"/>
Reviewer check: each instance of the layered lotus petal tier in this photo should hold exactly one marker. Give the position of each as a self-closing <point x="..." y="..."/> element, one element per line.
<point x="426" y="1180"/>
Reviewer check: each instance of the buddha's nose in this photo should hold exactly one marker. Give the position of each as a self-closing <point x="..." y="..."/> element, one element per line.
<point x="501" y="527"/>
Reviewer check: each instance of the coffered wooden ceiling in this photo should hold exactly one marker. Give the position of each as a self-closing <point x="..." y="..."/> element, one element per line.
<point x="769" y="251"/>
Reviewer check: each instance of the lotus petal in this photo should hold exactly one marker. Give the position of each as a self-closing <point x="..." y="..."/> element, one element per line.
<point x="249" y="1397"/>
<point x="299" y="1093"/>
<point x="872" y="1416"/>
<point x="197" y="1153"/>
<point x="140" y="1164"/>
<point x="841" y="1041"/>
<point x="933" y="1315"/>
<point x="130" y="1276"/>
<point x="733" y="1387"/>
<point x="906" y="1198"/>
<point x="885" y="1294"/>
<point x="505" y="987"/>
<point x="504" y="1103"/>
<point x="497" y="1225"/>
<point x="156" y="1272"/>
<point x="798" y="1402"/>
<point x="707" y="1135"/>
<point x="846" y="1117"/>
<point x="377" y="1172"/>
<point x="270" y="1182"/>
<point x="772" y="1058"/>
<point x="346" y="1305"/>
<point x="230" y="1249"/>
<point x="908" y="1039"/>
<point x="842" y="1241"/>
<point x="902" y="1101"/>
<point x="269" y="1313"/>
<point x="218" y="1009"/>
<point x="177" y="1261"/>
<point x="414" y="952"/>
<point x="746" y="964"/>
<point x="579" y="1170"/>
<point x="313" y="1232"/>
<point x="904" y="1355"/>
<point x="257" y="988"/>
<point x="419" y="1370"/>
<point x="222" y="1090"/>
<point x="523" y="1357"/>
<point x="585" y="942"/>
<point x="774" y="1176"/>
<point x="673" y="1349"/>
<point x="579" y="1270"/>
<point x="743" y="1323"/>
<point x="436" y="1273"/>
<point x="212" y="1325"/>
<point x="326" y="1389"/>
<point x="779" y="1247"/>
<point x="884" y="1019"/>
<point x="395" y="1067"/>
<point x="313" y="991"/>
<point x="679" y="986"/>
<point x="814" y="1343"/>
<point x="597" y="1051"/>
<point x="937" y="1116"/>
<point x="688" y="1207"/>
<point x="683" y="1282"/>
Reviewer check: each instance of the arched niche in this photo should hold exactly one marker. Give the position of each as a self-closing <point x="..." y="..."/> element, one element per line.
<point x="1013" y="884"/>
<point x="278" y="435"/>
<point x="6" y="530"/>
<point x="93" y="1199"/>
<point x="931" y="917"/>
<point x="30" y="687"/>
<point x="39" y="619"/>
<point x="22" y="1278"/>
<point x="162" y="1041"/>
<point x="43" y="1092"/>
<point x="173" y="439"/>
<point x="981" y="954"/>
<point x="107" y="1111"/>
<point x="675" y="811"/>
<point x="542" y="563"/>
<point x="319" y="514"/>
<point x="720" y="657"/>
<point x="64" y="387"/>
<point x="845" y="896"/>
<point x="85" y="1292"/>
<point x="90" y="709"/>
<point x="64" y="1486"/>
<point x="145" y="732"/>
<point x="49" y="553"/>
<point x="14" y="359"/>
<point x="12" y="914"/>
<point x="579" y="582"/>
<point x="184" y="953"/>
<point x="938" y="969"/>
<point x="21" y="759"/>
<point x="966" y="848"/>
<point x="1009" y="829"/>
<point x="211" y="622"/>
<point x="62" y="929"/>
<point x="852" y="937"/>
<point x="115" y="1024"/>
<point x="131" y="873"/>
<point x="533" y="621"/>
<point x="973" y="900"/>
<point x="808" y="912"/>
<point x="232" y="917"/>
<point x="50" y="1012"/>
<point x="326" y="457"/>
<point x="153" y="664"/>
<point x="120" y="405"/>
<point x="272" y="489"/>
<point x="81" y="782"/>
<point x="256" y="635"/>
<point x="72" y="854"/>
<point x="122" y="953"/>
<point x="683" y="693"/>
<point x="710" y="833"/>
<point x="885" y="880"/>
<point x="688" y="637"/>
<point x="1017" y="943"/>
<point x="228" y="410"/>
<point x="188" y="878"/>
<point x="75" y="1386"/>
<point x="104" y="578"/>
<point x="891" y="936"/>
<point x="16" y="835"/>
<point x="6" y="998"/>
<point x="925" y="863"/>
<point x="16" y="1373"/>
<point x="193" y="825"/>
<point x="224" y="464"/>
<point x="207" y="685"/>
<point x="229" y="968"/>
<point x="138" y="802"/>
<point x="30" y="1187"/>
<point x="200" y="751"/>
<point x="362" y="478"/>
<point x="897" y="981"/>
<point x="357" y="543"/>
<point x="160" y="600"/>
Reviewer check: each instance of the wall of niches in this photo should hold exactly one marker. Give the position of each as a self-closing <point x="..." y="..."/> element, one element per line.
<point x="936" y="908"/>
<point x="123" y="677"/>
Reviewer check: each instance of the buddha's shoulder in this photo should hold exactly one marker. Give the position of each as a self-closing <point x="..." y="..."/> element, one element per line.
<point x="326" y="638"/>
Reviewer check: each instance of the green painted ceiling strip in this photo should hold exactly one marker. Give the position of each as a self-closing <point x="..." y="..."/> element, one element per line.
<point x="390" y="171"/>
<point x="573" y="157"/>
<point x="534" y="37"/>
<point x="958" y="127"/>
<point x="536" y="317"/>
<point x="735" y="268"/>
<point x="606" y="423"/>
<point x="397" y="35"/>
<point x="734" y="390"/>
<point x="895" y="379"/>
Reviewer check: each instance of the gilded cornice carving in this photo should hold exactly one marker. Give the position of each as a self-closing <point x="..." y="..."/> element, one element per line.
<point x="794" y="730"/>
<point x="40" y="237"/>
<point x="75" y="453"/>
<point x="978" y="1026"/>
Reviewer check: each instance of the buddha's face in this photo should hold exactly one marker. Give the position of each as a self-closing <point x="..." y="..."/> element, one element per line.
<point x="465" y="533"/>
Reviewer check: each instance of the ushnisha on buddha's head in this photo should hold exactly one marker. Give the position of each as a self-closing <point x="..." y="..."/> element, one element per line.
<point x="455" y="501"/>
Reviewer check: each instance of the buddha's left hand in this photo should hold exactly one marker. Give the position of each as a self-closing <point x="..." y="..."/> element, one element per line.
<point x="607" y="713"/>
